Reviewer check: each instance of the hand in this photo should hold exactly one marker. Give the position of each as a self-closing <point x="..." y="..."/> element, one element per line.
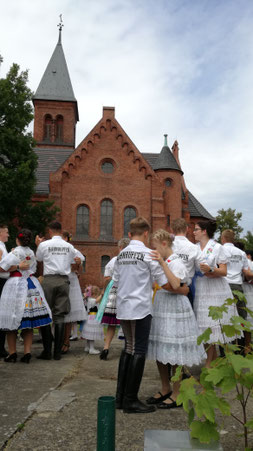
<point x="156" y="256"/>
<point x="24" y="265"/>
<point x="39" y="240"/>
<point x="204" y="268"/>
<point x="78" y="261"/>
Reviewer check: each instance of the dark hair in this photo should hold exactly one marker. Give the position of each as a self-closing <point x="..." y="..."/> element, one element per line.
<point x="3" y="226"/>
<point x="55" y="225"/>
<point x="209" y="226"/>
<point x="249" y="252"/>
<point x="67" y="235"/>
<point x="240" y="245"/>
<point x="24" y="237"/>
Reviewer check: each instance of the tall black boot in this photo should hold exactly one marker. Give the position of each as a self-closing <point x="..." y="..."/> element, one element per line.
<point x="47" y="343"/>
<point x="131" y="403"/>
<point x="58" y="340"/>
<point x="3" y="352"/>
<point x="122" y="375"/>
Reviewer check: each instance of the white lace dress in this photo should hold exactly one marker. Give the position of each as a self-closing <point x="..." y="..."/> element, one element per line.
<point x="174" y="330"/>
<point x="212" y="292"/>
<point x="23" y="304"/>
<point x="92" y="330"/>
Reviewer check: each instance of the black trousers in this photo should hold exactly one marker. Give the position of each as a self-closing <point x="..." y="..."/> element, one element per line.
<point x="136" y="334"/>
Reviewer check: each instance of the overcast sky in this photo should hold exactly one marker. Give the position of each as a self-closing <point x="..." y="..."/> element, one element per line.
<point x="181" y="67"/>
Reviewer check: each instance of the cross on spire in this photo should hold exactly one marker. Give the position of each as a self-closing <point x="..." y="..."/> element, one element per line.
<point x="60" y="26"/>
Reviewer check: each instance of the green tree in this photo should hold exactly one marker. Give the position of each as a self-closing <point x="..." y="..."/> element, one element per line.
<point x="18" y="160"/>
<point x="229" y="219"/>
<point x="248" y="241"/>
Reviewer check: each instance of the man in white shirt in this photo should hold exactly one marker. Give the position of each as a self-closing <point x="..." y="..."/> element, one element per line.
<point x="185" y="249"/>
<point x="57" y="256"/>
<point x="237" y="265"/>
<point x="134" y="273"/>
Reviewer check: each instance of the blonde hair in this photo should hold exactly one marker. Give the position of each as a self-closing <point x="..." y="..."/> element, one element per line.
<point x="163" y="235"/>
<point x="179" y="225"/>
<point x="138" y="226"/>
<point x="228" y="235"/>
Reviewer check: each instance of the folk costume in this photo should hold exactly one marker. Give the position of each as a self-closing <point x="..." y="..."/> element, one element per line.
<point x="77" y="309"/>
<point x="22" y="304"/>
<point x="212" y="292"/>
<point x="109" y="317"/>
<point x="174" y="330"/>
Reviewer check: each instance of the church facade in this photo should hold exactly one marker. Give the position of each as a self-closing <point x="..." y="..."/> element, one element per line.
<point x="104" y="182"/>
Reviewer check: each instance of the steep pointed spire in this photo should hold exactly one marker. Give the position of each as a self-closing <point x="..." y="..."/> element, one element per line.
<point x="55" y="83"/>
<point x="166" y="159"/>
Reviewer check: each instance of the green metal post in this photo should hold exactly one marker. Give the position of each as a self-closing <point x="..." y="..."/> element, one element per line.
<point x="106" y="424"/>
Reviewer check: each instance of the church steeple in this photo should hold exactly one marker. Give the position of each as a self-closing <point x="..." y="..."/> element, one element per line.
<point x="55" y="102"/>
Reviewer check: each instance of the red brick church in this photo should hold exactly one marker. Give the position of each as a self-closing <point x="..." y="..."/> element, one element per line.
<point x="105" y="181"/>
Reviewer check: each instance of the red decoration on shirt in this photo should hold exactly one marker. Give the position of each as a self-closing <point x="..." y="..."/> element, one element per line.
<point x="28" y="258"/>
<point x="168" y="260"/>
<point x="20" y="235"/>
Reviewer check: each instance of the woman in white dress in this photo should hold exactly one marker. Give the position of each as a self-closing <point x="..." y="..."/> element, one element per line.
<point x="211" y="287"/>
<point x="174" y="330"/>
<point x="77" y="309"/>
<point x="22" y="305"/>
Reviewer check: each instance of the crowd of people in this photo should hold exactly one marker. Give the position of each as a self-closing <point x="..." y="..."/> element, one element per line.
<point x="158" y="290"/>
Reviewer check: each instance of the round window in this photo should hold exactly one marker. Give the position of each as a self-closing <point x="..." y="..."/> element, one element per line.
<point x="107" y="167"/>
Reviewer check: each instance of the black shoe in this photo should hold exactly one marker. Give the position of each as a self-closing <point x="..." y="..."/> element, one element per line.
<point x="45" y="356"/>
<point x="104" y="354"/>
<point x="11" y="358"/>
<point x="26" y="358"/>
<point x="131" y="403"/>
<point x="3" y="353"/>
<point x="153" y="400"/>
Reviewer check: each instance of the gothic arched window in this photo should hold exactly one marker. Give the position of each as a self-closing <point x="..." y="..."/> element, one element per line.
<point x="104" y="260"/>
<point x="82" y="221"/>
<point x="129" y="214"/>
<point x="106" y="216"/>
<point x="48" y="124"/>
<point x="59" y="128"/>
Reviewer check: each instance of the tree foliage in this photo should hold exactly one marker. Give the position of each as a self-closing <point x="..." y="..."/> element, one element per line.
<point x="229" y="219"/>
<point x="18" y="161"/>
<point x="248" y="241"/>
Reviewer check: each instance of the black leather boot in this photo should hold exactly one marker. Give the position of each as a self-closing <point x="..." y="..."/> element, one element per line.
<point x="131" y="403"/>
<point x="58" y="340"/>
<point x="122" y="375"/>
<point x="47" y="343"/>
<point x="3" y="352"/>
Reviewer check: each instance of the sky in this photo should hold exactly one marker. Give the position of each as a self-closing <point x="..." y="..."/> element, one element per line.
<point x="180" y="67"/>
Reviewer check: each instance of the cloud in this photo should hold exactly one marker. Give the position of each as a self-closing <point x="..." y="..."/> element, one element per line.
<point x="177" y="67"/>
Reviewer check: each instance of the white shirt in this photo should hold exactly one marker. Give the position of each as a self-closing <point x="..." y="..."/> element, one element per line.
<point x="57" y="256"/>
<point x="16" y="256"/>
<point x="177" y="267"/>
<point x="134" y="272"/>
<point x="110" y="267"/>
<point x="188" y="252"/>
<point x="213" y="254"/>
<point x="237" y="261"/>
<point x="3" y="275"/>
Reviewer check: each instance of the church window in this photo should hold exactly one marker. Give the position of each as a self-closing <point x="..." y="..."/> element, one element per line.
<point x="168" y="182"/>
<point x="129" y="214"/>
<point x="48" y="125"/>
<point x="107" y="166"/>
<point x="168" y="220"/>
<point x="106" y="217"/>
<point x="84" y="264"/>
<point x="59" y="128"/>
<point x="104" y="260"/>
<point x="82" y="221"/>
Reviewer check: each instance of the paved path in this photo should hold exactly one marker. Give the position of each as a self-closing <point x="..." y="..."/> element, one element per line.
<point x="52" y="405"/>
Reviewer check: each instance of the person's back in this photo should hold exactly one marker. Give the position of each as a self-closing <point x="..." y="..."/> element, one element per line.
<point x="184" y="248"/>
<point x="237" y="260"/>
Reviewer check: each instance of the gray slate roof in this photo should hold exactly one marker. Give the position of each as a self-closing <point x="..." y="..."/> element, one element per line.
<point x="196" y="209"/>
<point x="55" y="83"/>
<point x="49" y="160"/>
<point x="164" y="160"/>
